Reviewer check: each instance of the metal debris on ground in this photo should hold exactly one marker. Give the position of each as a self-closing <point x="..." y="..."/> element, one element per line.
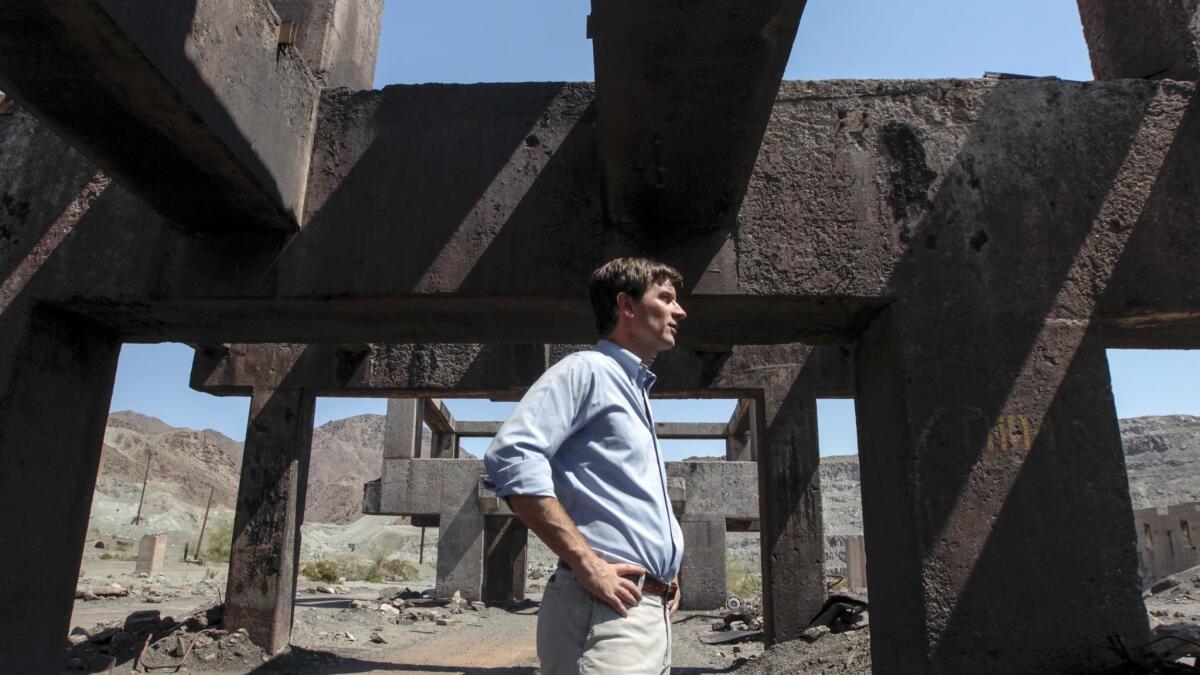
<point x="841" y="613"/>
<point x="1171" y="648"/>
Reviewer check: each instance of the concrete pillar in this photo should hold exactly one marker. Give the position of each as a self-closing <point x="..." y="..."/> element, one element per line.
<point x="1143" y="38"/>
<point x="151" y="551"/>
<point x="792" y="536"/>
<point x="443" y="445"/>
<point x="338" y="39"/>
<point x="856" y="562"/>
<point x="702" y="578"/>
<point x="995" y="499"/>
<point x="505" y="542"/>
<point x="270" y="509"/>
<point x="56" y="377"/>
<point x="460" y="551"/>
<point x="739" y="444"/>
<point x="402" y="428"/>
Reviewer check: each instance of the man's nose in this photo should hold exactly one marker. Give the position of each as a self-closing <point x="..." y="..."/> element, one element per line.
<point x="679" y="314"/>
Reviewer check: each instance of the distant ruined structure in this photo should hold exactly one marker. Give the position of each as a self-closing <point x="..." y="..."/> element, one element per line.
<point x="220" y="174"/>
<point x="1168" y="539"/>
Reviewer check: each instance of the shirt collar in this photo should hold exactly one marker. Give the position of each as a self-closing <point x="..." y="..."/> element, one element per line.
<point x="637" y="371"/>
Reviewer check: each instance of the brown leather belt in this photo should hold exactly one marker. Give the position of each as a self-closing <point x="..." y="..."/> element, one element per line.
<point x="647" y="583"/>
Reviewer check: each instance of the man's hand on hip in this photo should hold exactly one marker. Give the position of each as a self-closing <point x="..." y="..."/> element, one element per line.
<point x="606" y="581"/>
<point x="675" y="600"/>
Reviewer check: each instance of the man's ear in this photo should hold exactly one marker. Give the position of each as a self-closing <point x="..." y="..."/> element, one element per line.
<point x="624" y="303"/>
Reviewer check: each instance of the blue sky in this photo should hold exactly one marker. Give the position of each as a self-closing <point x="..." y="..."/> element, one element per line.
<point x="544" y="40"/>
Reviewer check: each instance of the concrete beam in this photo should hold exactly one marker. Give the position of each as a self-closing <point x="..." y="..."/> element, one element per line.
<point x="758" y="285"/>
<point x="469" y="370"/>
<point x="1156" y="40"/>
<point x="190" y="105"/>
<point x="339" y="39"/>
<point x="671" y="430"/>
<point x="683" y="95"/>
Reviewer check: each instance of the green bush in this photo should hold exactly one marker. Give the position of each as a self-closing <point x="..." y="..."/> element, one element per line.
<point x="327" y="571"/>
<point x="741" y="580"/>
<point x="220" y="541"/>
<point x="399" y="569"/>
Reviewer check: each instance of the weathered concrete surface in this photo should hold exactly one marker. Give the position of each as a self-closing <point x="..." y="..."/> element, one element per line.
<point x="964" y="431"/>
<point x="481" y="551"/>
<point x="467" y="370"/>
<point x="504" y="544"/>
<point x="189" y="104"/>
<point x="402" y="428"/>
<point x="507" y="242"/>
<point x="52" y="421"/>
<point x="1156" y="39"/>
<point x="151" y="551"/>
<point x="1168" y="539"/>
<point x="856" y="562"/>
<point x="792" y="536"/>
<point x="270" y="509"/>
<point x="999" y="207"/>
<point x="339" y="39"/>
<point x="683" y="94"/>
<point x="716" y="492"/>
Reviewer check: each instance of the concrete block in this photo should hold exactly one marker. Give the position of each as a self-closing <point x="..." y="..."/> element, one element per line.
<point x="856" y="562"/>
<point x="339" y="39"/>
<point x="702" y="578"/>
<point x="151" y="552"/>
<point x="1144" y="39"/>
<point x="188" y="104"/>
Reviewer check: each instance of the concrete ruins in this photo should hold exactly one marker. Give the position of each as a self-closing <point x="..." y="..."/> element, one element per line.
<point x="1168" y="538"/>
<point x="183" y="172"/>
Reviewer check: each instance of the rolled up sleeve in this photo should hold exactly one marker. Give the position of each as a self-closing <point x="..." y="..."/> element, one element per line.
<point x="518" y="460"/>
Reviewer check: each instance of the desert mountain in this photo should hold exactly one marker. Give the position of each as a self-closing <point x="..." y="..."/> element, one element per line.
<point x="1162" y="456"/>
<point x="345" y="454"/>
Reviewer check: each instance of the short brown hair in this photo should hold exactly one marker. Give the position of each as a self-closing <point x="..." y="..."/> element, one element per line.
<point x="632" y="276"/>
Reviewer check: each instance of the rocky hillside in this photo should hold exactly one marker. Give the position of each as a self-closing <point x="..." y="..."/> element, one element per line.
<point x="1162" y="455"/>
<point x="345" y="454"/>
<point x="186" y="463"/>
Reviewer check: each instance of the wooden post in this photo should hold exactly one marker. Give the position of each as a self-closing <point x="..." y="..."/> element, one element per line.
<point x="204" y="523"/>
<point x="146" y="478"/>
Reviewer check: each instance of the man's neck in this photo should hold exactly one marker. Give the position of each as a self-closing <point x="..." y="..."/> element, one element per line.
<point x="646" y="356"/>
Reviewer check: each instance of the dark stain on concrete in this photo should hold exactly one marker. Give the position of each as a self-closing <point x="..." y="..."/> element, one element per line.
<point x="979" y="240"/>
<point x="910" y="174"/>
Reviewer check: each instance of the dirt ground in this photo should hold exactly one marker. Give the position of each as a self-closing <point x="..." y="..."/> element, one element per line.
<point x="347" y="632"/>
<point x="336" y="633"/>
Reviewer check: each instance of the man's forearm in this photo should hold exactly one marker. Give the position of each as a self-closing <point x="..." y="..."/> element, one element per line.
<point x="550" y="522"/>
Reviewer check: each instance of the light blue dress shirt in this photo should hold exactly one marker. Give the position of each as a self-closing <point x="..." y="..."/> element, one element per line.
<point x="584" y="434"/>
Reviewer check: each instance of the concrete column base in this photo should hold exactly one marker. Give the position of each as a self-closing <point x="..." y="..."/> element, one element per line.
<point x="995" y="498"/>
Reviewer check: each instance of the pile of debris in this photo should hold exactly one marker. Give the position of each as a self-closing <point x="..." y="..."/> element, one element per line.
<point x="407" y="607"/>
<point x="743" y="620"/>
<point x="150" y="642"/>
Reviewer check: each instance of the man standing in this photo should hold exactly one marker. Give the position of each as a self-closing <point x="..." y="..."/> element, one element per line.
<point x="580" y="464"/>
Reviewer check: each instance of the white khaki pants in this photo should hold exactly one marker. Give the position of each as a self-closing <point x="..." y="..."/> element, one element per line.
<point x="579" y="634"/>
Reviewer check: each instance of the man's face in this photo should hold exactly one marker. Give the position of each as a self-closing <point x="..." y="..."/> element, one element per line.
<point x="656" y="316"/>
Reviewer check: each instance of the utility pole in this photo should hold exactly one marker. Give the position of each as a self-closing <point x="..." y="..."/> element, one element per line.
<point x="421" y="555"/>
<point x="204" y="523"/>
<point x="138" y="518"/>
